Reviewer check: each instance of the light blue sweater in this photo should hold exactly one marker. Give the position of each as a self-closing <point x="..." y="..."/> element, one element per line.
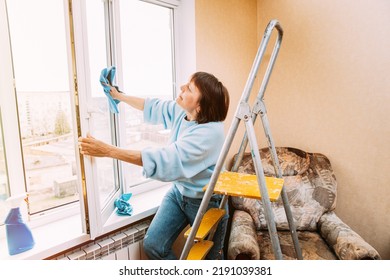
<point x="191" y="154"/>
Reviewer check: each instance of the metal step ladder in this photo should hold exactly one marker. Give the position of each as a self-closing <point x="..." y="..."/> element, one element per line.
<point x="230" y="183"/>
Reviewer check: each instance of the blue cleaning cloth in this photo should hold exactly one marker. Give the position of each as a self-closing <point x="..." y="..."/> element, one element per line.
<point x="107" y="78"/>
<point x="124" y="207"/>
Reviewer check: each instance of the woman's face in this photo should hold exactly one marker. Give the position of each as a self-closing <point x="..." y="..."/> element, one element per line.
<point x="188" y="99"/>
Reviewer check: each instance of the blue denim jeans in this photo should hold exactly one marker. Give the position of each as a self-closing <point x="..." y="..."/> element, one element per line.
<point x="174" y="214"/>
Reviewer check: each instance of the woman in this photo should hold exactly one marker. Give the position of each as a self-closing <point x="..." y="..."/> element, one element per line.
<point x="197" y="135"/>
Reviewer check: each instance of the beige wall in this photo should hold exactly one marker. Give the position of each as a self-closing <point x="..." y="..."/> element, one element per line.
<point x="329" y="91"/>
<point x="226" y="45"/>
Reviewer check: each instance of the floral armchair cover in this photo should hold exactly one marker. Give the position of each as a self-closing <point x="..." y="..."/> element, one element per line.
<point x="311" y="188"/>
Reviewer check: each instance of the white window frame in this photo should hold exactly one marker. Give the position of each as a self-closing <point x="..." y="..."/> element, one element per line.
<point x="9" y="108"/>
<point x="184" y="47"/>
<point x="185" y="65"/>
<point x="12" y="138"/>
<point x="9" y="112"/>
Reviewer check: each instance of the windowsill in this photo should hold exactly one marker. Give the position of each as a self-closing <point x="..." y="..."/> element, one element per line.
<point x="64" y="234"/>
<point x="144" y="204"/>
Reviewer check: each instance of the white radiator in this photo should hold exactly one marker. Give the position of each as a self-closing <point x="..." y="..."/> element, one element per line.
<point x="123" y="245"/>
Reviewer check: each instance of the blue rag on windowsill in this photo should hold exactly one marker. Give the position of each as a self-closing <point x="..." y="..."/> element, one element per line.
<point x="107" y="78"/>
<point x="123" y="206"/>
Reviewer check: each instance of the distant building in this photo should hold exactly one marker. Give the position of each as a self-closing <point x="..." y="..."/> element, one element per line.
<point x="38" y="111"/>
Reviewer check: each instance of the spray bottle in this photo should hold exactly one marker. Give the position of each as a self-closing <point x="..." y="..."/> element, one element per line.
<point x="19" y="236"/>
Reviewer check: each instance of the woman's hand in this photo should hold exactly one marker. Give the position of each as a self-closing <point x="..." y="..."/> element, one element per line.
<point x="90" y="146"/>
<point x="115" y="93"/>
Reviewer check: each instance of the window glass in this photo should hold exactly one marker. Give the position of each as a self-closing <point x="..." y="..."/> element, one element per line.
<point x="38" y="42"/>
<point x="134" y="35"/>
<point x="147" y="66"/>
<point x="4" y="187"/>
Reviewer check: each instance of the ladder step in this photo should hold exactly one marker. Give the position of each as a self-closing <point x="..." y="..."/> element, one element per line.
<point x="199" y="250"/>
<point x="246" y="185"/>
<point x="210" y="218"/>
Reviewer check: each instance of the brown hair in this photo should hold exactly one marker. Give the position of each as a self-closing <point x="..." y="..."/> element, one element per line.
<point x="214" y="98"/>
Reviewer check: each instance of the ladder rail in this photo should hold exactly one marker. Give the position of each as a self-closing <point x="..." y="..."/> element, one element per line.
<point x="278" y="173"/>
<point x="255" y="68"/>
<point x="230" y="136"/>
<point x="259" y="107"/>
<point x="243" y="112"/>
<point x="274" y="24"/>
<point x="269" y="215"/>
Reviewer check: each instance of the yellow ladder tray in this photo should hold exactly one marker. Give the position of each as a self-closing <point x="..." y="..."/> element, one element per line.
<point x="199" y="250"/>
<point x="210" y="218"/>
<point x="246" y="185"/>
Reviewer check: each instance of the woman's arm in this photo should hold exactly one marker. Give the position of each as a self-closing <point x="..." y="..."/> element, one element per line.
<point x="196" y="150"/>
<point x="136" y="102"/>
<point x="90" y="146"/>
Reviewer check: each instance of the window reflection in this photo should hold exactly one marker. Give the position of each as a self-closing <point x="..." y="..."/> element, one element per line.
<point x="147" y="61"/>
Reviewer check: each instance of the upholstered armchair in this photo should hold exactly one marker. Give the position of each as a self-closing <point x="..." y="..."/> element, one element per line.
<point x="311" y="188"/>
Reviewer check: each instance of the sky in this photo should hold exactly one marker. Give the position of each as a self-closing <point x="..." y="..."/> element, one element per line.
<point x="38" y="45"/>
<point x="38" y="39"/>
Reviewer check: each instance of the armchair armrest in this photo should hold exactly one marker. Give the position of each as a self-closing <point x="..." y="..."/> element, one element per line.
<point x="243" y="238"/>
<point x="346" y="243"/>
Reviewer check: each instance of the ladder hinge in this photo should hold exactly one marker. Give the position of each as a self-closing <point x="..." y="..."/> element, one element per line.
<point x="243" y="111"/>
<point x="259" y="107"/>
